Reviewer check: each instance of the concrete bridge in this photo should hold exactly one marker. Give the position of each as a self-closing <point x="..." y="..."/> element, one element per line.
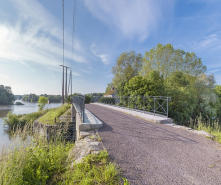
<point x="153" y="153"/>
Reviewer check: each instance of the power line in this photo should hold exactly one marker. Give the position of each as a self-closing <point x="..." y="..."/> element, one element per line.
<point x="63" y="29"/>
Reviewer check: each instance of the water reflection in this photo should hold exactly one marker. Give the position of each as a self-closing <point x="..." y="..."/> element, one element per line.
<point x="28" y="107"/>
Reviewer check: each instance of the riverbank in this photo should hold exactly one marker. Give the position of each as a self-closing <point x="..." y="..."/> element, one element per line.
<point x="43" y="162"/>
<point x="5" y="134"/>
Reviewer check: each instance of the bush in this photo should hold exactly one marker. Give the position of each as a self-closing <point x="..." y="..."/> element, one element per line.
<point x="107" y="100"/>
<point x="42" y="101"/>
<point x="87" y="99"/>
<point x="14" y="121"/>
<point x="11" y="120"/>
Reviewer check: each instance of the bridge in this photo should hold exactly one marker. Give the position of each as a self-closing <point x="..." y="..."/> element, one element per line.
<point x="151" y="153"/>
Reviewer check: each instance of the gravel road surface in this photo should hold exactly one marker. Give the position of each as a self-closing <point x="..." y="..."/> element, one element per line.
<point x="158" y="154"/>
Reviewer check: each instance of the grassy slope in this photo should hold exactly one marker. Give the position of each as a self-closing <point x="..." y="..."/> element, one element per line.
<point x="15" y="121"/>
<point x="49" y="117"/>
<point x="43" y="162"/>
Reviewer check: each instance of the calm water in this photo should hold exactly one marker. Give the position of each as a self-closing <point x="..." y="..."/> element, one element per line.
<point x="17" y="109"/>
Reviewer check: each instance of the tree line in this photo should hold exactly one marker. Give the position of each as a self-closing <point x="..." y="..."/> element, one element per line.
<point x="35" y="98"/>
<point x="6" y="95"/>
<point x="166" y="71"/>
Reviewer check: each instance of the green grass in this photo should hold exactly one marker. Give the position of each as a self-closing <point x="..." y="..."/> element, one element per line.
<point x="49" y="117"/>
<point x="34" y="162"/>
<point x="39" y="162"/>
<point x="14" y="121"/>
<point x="210" y="126"/>
<point x="95" y="169"/>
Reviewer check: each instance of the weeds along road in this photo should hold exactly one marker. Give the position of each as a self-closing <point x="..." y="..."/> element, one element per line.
<point x="158" y="154"/>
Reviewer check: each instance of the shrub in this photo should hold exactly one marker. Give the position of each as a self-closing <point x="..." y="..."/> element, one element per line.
<point x="42" y="102"/>
<point x="14" y="121"/>
<point x="11" y="120"/>
<point x="87" y="99"/>
<point x="107" y="100"/>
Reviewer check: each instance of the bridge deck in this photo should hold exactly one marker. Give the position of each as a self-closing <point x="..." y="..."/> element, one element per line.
<point x="158" y="154"/>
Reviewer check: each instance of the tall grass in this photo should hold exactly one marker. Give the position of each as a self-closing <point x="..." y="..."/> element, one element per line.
<point x="32" y="161"/>
<point x="95" y="169"/>
<point x="14" y="121"/>
<point x="50" y="116"/>
<point x="212" y="126"/>
<point x="35" y="160"/>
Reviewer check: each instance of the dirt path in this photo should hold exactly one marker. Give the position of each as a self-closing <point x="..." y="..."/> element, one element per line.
<point x="158" y="154"/>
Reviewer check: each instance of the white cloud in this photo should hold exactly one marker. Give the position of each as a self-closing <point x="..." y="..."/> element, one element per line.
<point x="27" y="65"/>
<point x="103" y="57"/>
<point x="131" y="17"/>
<point x="35" y="37"/>
<point x="206" y="41"/>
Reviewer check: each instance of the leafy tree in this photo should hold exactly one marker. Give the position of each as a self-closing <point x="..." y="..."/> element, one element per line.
<point x="108" y="88"/>
<point x="182" y="94"/>
<point x="217" y="90"/>
<point x="128" y="65"/>
<point x="206" y="98"/>
<point x="6" y="95"/>
<point x="153" y="86"/>
<point x="167" y="60"/>
<point x="120" y="88"/>
<point x="42" y="102"/>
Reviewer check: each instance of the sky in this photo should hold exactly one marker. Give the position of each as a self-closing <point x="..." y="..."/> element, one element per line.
<point x="31" y="39"/>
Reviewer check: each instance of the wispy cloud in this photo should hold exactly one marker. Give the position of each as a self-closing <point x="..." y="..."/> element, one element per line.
<point x="23" y="63"/>
<point x="35" y="37"/>
<point x="131" y="18"/>
<point x="103" y="57"/>
<point x="206" y="41"/>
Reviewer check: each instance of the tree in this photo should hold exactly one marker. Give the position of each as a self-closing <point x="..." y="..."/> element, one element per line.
<point x="206" y="98"/>
<point x="128" y="65"/>
<point x="217" y="90"/>
<point x="6" y="95"/>
<point x="153" y="86"/>
<point x="42" y="102"/>
<point x="182" y="94"/>
<point x="108" y="88"/>
<point x="167" y="60"/>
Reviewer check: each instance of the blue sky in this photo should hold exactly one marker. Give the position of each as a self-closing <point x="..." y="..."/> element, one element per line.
<point x="31" y="38"/>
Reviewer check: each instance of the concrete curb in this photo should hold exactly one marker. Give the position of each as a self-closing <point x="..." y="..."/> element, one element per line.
<point x="156" y="119"/>
<point x="159" y="119"/>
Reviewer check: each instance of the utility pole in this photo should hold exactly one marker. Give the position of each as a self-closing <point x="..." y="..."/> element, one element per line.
<point x="66" y="86"/>
<point x="63" y="83"/>
<point x="71" y="82"/>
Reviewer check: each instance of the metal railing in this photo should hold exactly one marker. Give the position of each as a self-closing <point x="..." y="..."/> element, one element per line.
<point x="95" y="99"/>
<point x="78" y="101"/>
<point x="145" y="104"/>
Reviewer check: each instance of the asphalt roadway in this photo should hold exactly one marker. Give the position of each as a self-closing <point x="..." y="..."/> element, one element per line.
<point x="158" y="154"/>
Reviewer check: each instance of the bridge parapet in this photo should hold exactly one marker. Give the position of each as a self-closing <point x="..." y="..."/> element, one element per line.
<point x="86" y="122"/>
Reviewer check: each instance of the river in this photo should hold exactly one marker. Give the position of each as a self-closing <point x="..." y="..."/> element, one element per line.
<point x="28" y="107"/>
